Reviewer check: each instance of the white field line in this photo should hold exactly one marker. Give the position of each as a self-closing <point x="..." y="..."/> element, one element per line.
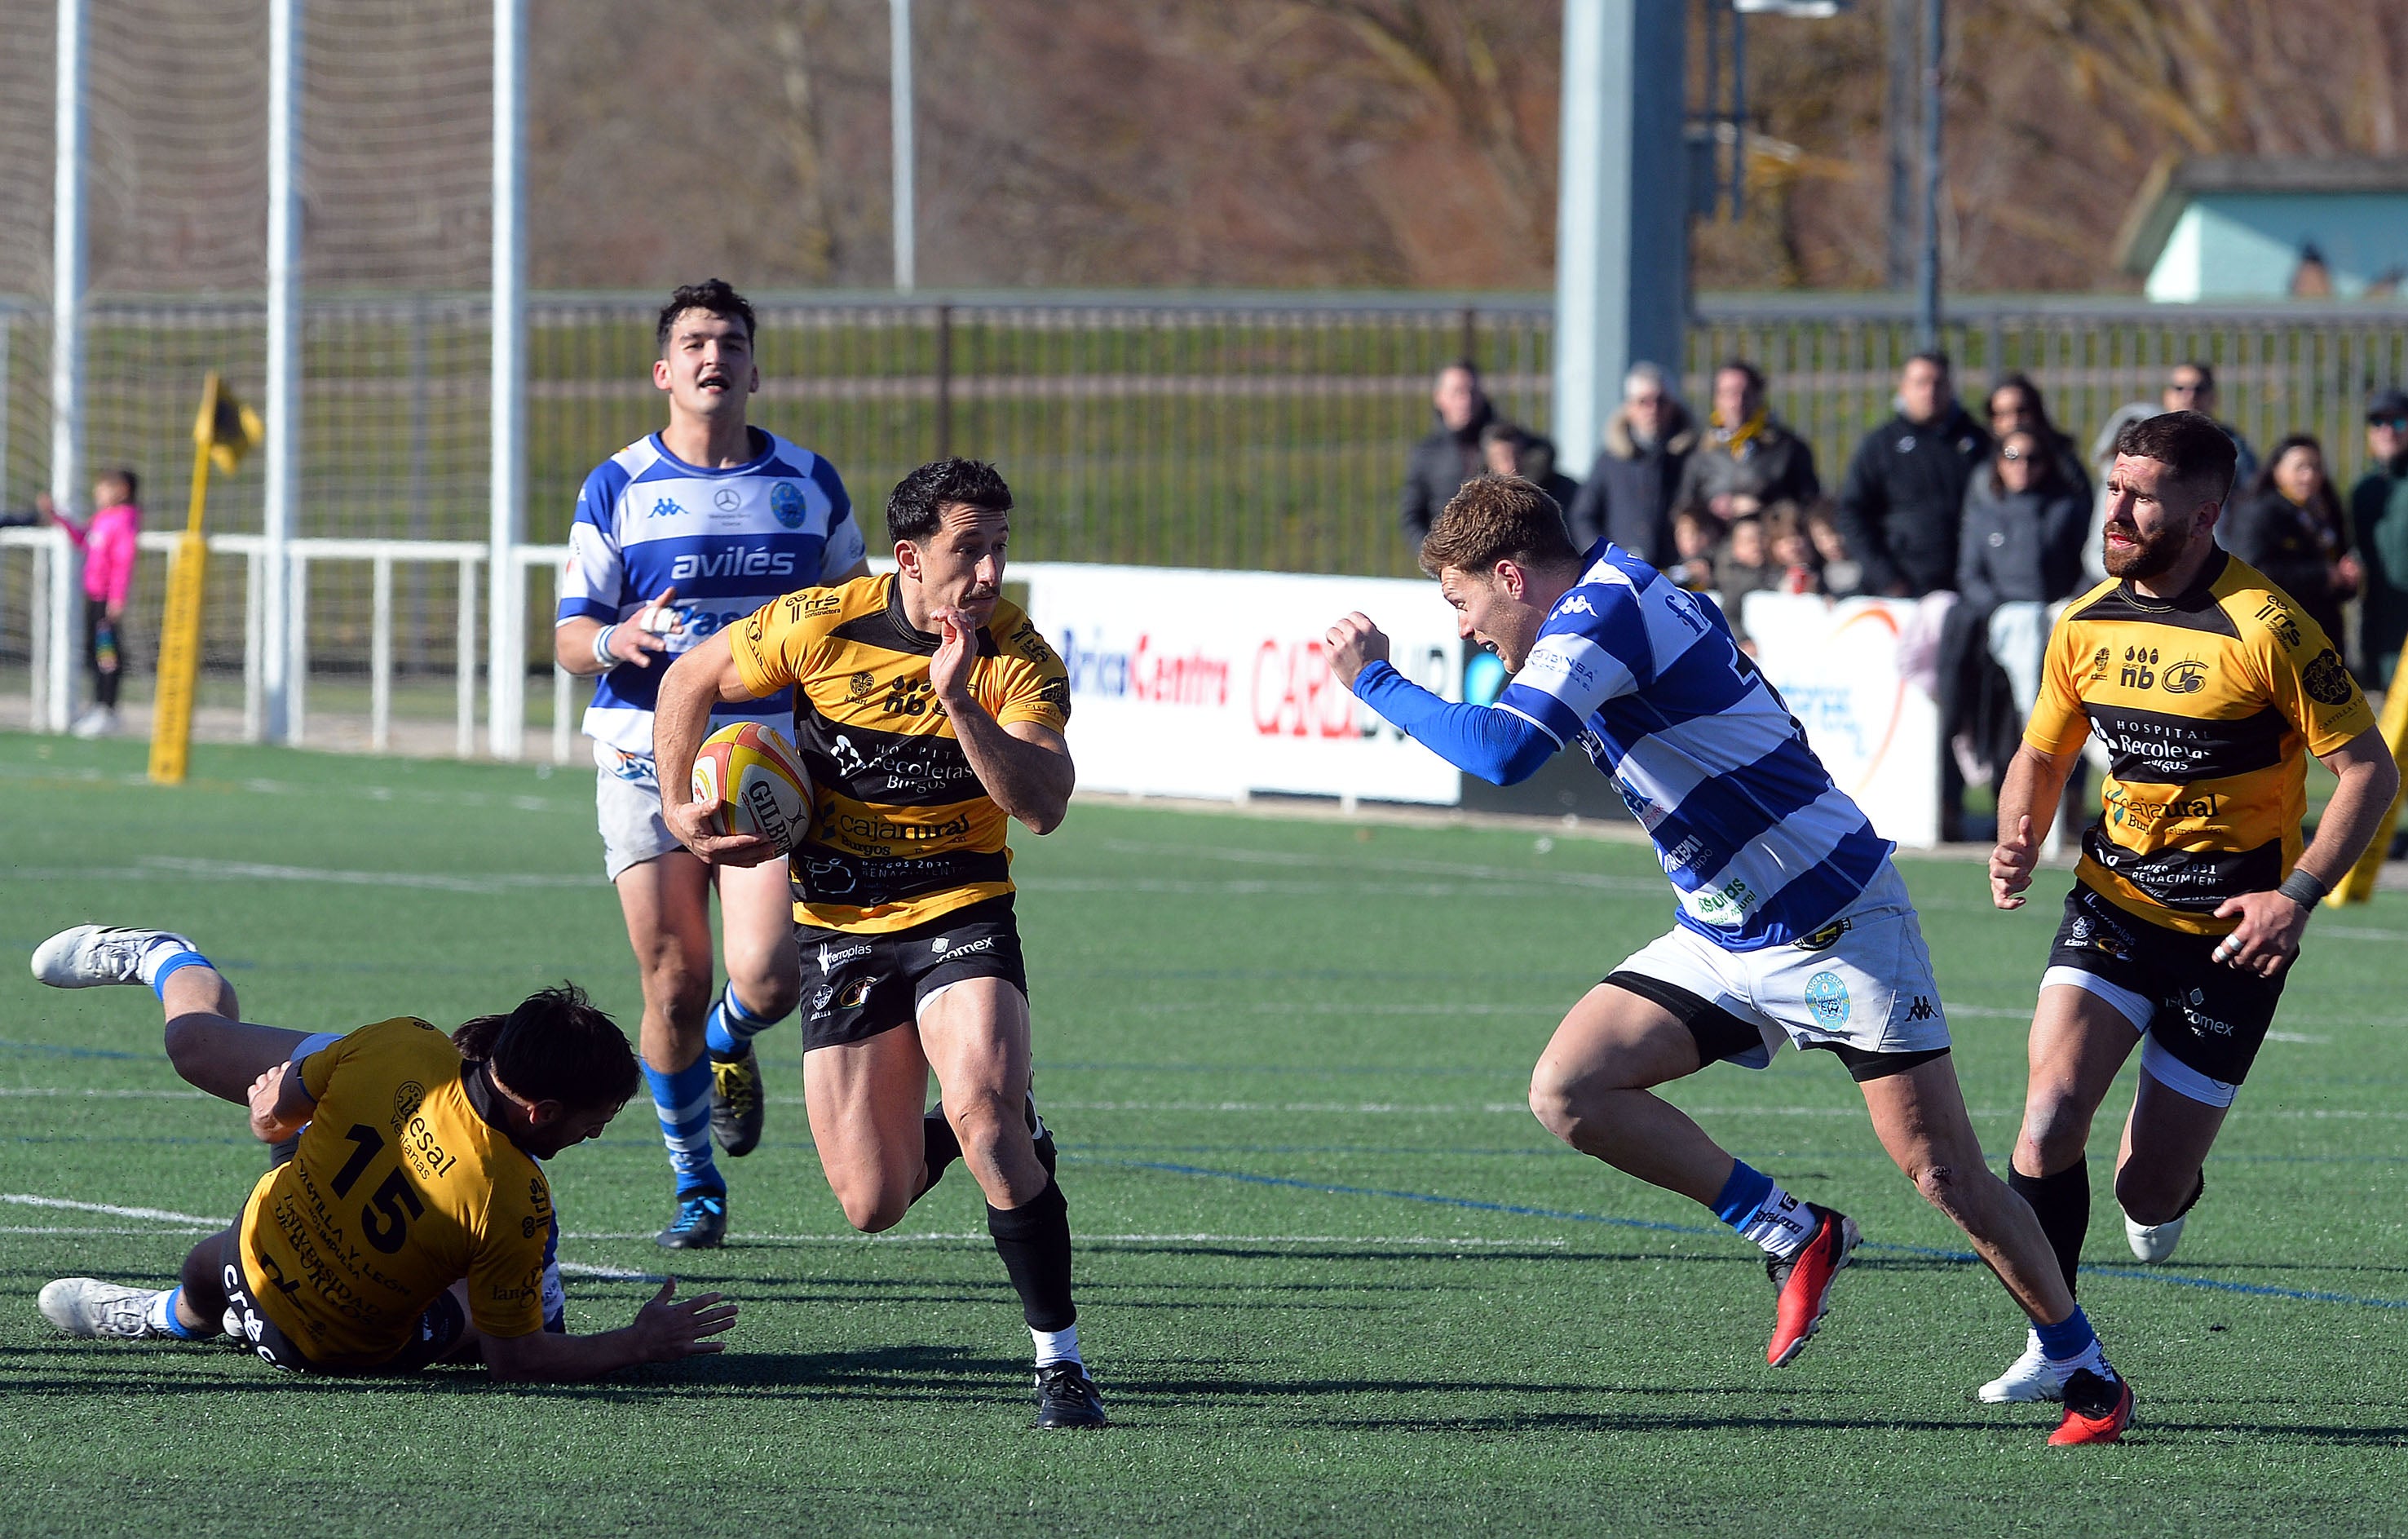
<point x="982" y="1238"/>
<point x="61" y="1229"/>
<point x="19" y="1090"/>
<point x="164" y="1216"/>
<point x="616" y="1275"/>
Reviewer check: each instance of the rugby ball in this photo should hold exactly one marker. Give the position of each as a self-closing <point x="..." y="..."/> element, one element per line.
<point x="756" y="776"/>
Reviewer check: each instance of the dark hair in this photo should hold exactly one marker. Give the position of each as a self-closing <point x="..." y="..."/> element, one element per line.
<point x="1937" y="357"/>
<point x="2325" y="505"/>
<point x="2200" y="455"/>
<point x="2022" y="384"/>
<point x="1740" y="365"/>
<point x="2049" y="470"/>
<point x="131" y="482"/>
<point x="555" y="1046"/>
<point x="1500" y="431"/>
<point x="1498" y="518"/>
<point x="714" y="294"/>
<point x="917" y="505"/>
<point x="2206" y="372"/>
<point x="1464" y="364"/>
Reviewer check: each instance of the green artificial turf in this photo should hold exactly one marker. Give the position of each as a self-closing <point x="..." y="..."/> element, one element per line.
<point x="1333" y="1276"/>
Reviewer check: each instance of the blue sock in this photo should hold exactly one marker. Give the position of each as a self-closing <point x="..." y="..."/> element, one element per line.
<point x="2070" y="1338"/>
<point x="682" y="1102"/>
<point x="166" y="1318"/>
<point x="172" y="966"/>
<point x="1742" y="1194"/>
<point x="730" y="1025"/>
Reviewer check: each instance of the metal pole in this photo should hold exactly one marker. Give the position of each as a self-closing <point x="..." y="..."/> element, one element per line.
<point x="1927" y="321"/>
<point x="66" y="364"/>
<point x="906" y="208"/>
<point x="1897" y="139"/>
<point x="1622" y="211"/>
<point x="1739" y="114"/>
<point x="506" y="665"/>
<point x="280" y="626"/>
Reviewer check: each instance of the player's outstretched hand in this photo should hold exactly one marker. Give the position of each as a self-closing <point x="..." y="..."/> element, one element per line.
<point x="636" y="641"/>
<point x="2267" y="936"/>
<point x="1353" y="643"/>
<point x="666" y="1331"/>
<point x="956" y="659"/>
<point x="2012" y="862"/>
<point x="266" y="1091"/>
<point x="694" y="823"/>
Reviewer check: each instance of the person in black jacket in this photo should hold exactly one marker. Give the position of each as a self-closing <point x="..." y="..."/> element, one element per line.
<point x="1903" y="502"/>
<point x="2289" y="525"/>
<point x="2023" y="527"/>
<point x="2016" y="405"/>
<point x="1748" y="459"/>
<point x="1448" y="455"/>
<point x="1627" y="497"/>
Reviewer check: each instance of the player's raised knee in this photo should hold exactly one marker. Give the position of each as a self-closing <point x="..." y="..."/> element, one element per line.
<point x="875" y="1209"/>
<point x="2155" y="1195"/>
<point x="1557" y="1100"/>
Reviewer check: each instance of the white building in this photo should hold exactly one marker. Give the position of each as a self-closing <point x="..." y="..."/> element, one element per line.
<point x="2237" y="228"/>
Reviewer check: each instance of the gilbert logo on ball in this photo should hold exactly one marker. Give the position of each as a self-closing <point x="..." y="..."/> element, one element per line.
<point x="758" y="781"/>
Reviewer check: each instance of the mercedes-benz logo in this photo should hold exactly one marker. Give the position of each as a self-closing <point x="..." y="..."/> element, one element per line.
<point x="725" y="499"/>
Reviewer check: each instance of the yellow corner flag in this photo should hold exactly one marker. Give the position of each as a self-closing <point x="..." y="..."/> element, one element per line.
<point x="2358" y="886"/>
<point x="223" y="432"/>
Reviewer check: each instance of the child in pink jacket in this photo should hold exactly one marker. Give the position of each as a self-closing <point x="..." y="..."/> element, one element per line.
<point x="106" y="539"/>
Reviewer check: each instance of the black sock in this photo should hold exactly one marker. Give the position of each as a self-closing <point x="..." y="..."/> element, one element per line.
<point x="1035" y="1243"/>
<point x="2196" y="1193"/>
<point x="2061" y="1202"/>
<point x="941" y="1149"/>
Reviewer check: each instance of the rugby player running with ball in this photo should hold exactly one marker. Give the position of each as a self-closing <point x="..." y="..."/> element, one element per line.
<point x="680" y="534"/>
<point x="928" y="712"/>
<point x="1793" y="925"/>
<point x="413" y="1225"/>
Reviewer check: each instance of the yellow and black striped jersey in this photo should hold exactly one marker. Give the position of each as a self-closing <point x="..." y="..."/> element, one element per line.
<point x="902" y="832"/>
<point x="2207" y="704"/>
<point x="401" y="1188"/>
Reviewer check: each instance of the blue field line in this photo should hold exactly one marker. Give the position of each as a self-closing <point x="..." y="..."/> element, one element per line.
<point x="1524" y="1210"/>
<point x="62" y="1050"/>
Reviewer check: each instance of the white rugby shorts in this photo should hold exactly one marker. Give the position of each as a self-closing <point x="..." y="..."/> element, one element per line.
<point x="627" y="807"/>
<point x="1863" y="983"/>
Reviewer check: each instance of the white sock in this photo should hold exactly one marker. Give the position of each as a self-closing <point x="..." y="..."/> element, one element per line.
<point x="146" y="967"/>
<point x="2093" y="1356"/>
<point x="160" y="1314"/>
<point x="1055" y="1346"/>
<point x="1783" y="1224"/>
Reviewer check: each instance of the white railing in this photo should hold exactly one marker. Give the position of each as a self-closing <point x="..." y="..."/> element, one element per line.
<point x="381" y="556"/>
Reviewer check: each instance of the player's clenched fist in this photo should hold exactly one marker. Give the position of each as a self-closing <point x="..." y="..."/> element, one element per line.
<point x="2012" y="861"/>
<point x="1354" y="643"/>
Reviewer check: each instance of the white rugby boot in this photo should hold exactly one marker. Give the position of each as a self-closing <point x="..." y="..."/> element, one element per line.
<point x="88" y="1307"/>
<point x="89" y="955"/>
<point x="2155" y="1241"/>
<point x="2028" y="1378"/>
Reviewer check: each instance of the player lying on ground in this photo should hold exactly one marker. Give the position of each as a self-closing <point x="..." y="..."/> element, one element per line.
<point x="721" y="517"/>
<point x="927" y="712"/>
<point x="414" y="1225"/>
<point x="1793" y="925"/>
<point x="2209" y="687"/>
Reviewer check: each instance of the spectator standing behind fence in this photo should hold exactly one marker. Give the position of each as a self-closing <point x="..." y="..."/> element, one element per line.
<point x="2378" y="512"/>
<point x="1627" y="497"/>
<point x="1508" y="448"/>
<point x="1903" y="502"/>
<point x="2017" y="406"/>
<point x="2288" y="524"/>
<point x="2020" y="552"/>
<point x="107" y="541"/>
<point x="2191" y="387"/>
<point x="1449" y="455"/>
<point x="1748" y="459"/>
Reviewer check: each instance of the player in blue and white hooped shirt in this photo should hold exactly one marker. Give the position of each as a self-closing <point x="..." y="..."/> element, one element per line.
<point x="1792" y="926"/>
<point x="680" y="534"/>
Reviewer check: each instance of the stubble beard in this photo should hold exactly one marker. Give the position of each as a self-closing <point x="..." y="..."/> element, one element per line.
<point x="2148" y="557"/>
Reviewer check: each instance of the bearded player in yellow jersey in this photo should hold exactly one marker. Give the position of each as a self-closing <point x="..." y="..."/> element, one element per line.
<point x="928" y="712"/>
<point x="2208" y="686"/>
<point x="413" y="1225"/>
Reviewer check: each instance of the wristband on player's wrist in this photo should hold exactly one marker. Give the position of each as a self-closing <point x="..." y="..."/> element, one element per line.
<point x="2302" y="888"/>
<point x="602" y="648"/>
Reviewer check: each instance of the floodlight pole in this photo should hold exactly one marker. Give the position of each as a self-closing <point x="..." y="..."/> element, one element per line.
<point x="281" y="616"/>
<point x="506" y="643"/>
<point x="56" y="689"/>
<point x="1622" y="250"/>
<point x="1927" y="320"/>
<point x="907" y="209"/>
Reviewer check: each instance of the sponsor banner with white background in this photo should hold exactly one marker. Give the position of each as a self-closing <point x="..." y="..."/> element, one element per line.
<point x="1877" y="732"/>
<point x="1188" y="682"/>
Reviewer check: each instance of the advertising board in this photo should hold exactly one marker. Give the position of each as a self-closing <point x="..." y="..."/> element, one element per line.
<point x="1878" y="732"/>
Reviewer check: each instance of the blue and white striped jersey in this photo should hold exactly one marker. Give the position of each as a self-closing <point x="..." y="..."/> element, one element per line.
<point x="1762" y="848"/>
<point x="727" y="540"/>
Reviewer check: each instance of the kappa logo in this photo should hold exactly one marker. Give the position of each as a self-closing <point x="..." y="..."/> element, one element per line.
<point x="1827" y="996"/>
<point x="667" y="508"/>
<point x="831" y="959"/>
<point x="1576" y="604"/>
<point x="1921" y="1009"/>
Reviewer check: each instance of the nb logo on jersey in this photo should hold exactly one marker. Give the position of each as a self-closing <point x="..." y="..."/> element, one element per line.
<point x="667" y="508"/>
<point x="2140" y="667"/>
<point x="1921" y="1009"/>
